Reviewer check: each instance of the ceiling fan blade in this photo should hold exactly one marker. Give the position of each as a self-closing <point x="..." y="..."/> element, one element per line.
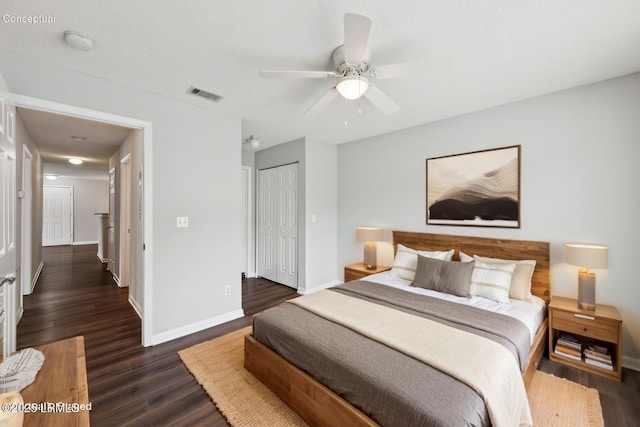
<point x="421" y="69"/>
<point x="322" y="102"/>
<point x="297" y="74"/>
<point x="356" y="36"/>
<point x="394" y="71"/>
<point x="381" y="101"/>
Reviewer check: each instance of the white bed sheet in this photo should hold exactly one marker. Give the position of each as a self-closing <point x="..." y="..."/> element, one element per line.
<point x="531" y="312"/>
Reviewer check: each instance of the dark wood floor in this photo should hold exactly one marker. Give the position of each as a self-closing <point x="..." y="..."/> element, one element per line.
<point x="133" y="385"/>
<point x="128" y="384"/>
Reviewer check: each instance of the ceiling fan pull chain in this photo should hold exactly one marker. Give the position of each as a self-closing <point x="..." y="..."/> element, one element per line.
<point x="345" y="113"/>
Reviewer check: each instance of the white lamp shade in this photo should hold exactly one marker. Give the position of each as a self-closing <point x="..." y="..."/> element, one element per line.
<point x="352" y="87"/>
<point x="586" y="256"/>
<point x="368" y="234"/>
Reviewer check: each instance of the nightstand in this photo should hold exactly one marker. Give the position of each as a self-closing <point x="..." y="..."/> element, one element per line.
<point x="358" y="271"/>
<point x="603" y="327"/>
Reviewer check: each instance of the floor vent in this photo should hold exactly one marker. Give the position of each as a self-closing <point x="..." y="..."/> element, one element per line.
<point x="204" y="94"/>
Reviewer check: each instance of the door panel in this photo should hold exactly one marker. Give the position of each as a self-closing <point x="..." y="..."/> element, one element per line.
<point x="8" y="294"/>
<point x="56" y="215"/>
<point x="267" y="224"/>
<point x="278" y="224"/>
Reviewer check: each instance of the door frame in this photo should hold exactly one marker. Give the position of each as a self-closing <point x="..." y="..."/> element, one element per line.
<point x="125" y="222"/>
<point x="147" y="132"/>
<point x="247" y="222"/>
<point x="71" y="195"/>
<point x="26" y="250"/>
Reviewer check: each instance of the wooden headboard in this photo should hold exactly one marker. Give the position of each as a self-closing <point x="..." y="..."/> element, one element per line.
<point x="495" y="248"/>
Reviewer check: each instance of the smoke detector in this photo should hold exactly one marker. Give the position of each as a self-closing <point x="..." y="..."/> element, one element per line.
<point x="78" y="41"/>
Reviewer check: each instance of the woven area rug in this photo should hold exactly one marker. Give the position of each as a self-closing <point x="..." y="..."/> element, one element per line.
<point x="218" y="366"/>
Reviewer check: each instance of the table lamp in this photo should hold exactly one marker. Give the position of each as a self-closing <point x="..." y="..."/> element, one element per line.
<point x="586" y="257"/>
<point x="369" y="235"/>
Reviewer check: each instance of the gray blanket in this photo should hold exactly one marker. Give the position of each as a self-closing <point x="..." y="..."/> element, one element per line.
<point x="390" y="387"/>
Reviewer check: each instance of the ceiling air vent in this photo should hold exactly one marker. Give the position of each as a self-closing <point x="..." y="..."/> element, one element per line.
<point x="204" y="94"/>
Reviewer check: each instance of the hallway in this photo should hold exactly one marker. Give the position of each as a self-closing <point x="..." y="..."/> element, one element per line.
<point x="128" y="384"/>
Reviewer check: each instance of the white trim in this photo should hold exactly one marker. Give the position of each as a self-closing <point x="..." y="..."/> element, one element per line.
<point x="196" y="327"/>
<point x="116" y="279"/>
<point x="26" y="225"/>
<point x="147" y="128"/>
<point x="36" y="276"/>
<point x="327" y="285"/>
<point x="91" y="242"/>
<point x="136" y="306"/>
<point x="631" y="363"/>
<point x="251" y="270"/>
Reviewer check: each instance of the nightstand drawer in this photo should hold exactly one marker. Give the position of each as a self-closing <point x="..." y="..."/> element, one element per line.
<point x="585" y="324"/>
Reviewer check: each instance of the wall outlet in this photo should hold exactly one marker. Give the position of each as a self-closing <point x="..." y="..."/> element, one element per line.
<point x="182" y="222"/>
<point x="227" y="290"/>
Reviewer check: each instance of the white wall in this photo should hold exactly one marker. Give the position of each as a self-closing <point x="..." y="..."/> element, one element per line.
<point x="579" y="183"/>
<point x="317" y="189"/>
<point x="90" y="196"/>
<point x="23" y="139"/>
<point x="195" y="160"/>
<point x="321" y="214"/>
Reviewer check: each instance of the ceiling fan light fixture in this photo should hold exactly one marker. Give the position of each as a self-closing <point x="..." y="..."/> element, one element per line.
<point x="352" y="87"/>
<point x="253" y="141"/>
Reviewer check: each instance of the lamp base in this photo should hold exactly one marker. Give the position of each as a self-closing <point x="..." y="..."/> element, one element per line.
<point x="370" y="256"/>
<point x="586" y="290"/>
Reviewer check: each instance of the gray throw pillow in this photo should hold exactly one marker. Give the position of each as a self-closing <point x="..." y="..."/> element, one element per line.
<point x="444" y="276"/>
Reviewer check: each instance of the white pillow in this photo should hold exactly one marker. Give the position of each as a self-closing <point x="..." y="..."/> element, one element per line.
<point x="492" y="281"/>
<point x="521" y="280"/>
<point x="406" y="261"/>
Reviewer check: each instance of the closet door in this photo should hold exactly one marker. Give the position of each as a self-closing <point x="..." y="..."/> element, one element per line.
<point x="287" y="215"/>
<point x="278" y="224"/>
<point x="267" y="224"/>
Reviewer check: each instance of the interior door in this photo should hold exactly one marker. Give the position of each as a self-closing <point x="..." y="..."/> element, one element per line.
<point x="111" y="227"/>
<point x="287" y="272"/>
<point x="8" y="293"/>
<point x="267" y="228"/>
<point x="56" y="215"/>
<point x="278" y="224"/>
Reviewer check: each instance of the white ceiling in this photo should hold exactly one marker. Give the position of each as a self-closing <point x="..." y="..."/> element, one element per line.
<point x="53" y="134"/>
<point x="477" y="53"/>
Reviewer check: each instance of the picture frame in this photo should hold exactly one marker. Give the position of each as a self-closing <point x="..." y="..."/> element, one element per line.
<point x="478" y="188"/>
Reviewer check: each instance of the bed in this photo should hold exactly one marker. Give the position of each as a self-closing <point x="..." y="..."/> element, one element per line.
<point x="305" y="390"/>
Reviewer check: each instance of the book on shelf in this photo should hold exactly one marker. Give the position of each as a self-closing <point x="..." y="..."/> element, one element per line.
<point x="568" y="350"/>
<point x="599" y="364"/>
<point x="569" y="341"/>
<point x="598" y="348"/>
<point x="569" y="355"/>
<point x="605" y="358"/>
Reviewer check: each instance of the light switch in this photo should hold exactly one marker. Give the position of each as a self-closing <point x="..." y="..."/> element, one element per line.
<point x="183" y="222"/>
<point x="314" y="218"/>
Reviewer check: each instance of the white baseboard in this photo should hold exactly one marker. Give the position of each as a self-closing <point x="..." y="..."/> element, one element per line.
<point x="84" y="243"/>
<point x="135" y="306"/>
<point x="116" y="279"/>
<point x="35" y="278"/>
<point x="320" y="287"/>
<point x="103" y="259"/>
<point x="631" y="363"/>
<point x="196" y="327"/>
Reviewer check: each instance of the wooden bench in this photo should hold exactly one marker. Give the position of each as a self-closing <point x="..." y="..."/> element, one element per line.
<point x="62" y="378"/>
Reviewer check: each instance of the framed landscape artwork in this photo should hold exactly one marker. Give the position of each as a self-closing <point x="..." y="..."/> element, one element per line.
<point x="481" y="188"/>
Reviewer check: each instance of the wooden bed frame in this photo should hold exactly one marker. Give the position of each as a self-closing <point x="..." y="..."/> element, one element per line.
<point x="319" y="406"/>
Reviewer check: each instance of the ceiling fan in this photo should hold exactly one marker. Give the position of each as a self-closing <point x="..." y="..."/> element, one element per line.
<point x="353" y="70"/>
